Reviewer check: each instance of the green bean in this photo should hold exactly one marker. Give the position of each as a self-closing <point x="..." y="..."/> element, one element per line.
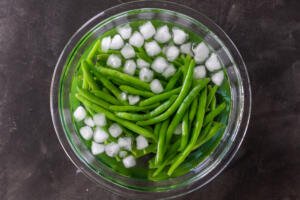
<point x="208" y="135"/>
<point x="197" y="129"/>
<point x="213" y="103"/>
<point x="81" y="79"/>
<point x="172" y="151"/>
<point x="132" y="90"/>
<point x="94" y="50"/>
<point x="129" y="125"/>
<point x="210" y="96"/>
<point x="153" y="113"/>
<point x="106" y="97"/>
<point x="88" y="76"/>
<point x="111" y="51"/>
<point x="90" y="111"/>
<point x="84" y="83"/>
<point x="177" y="63"/>
<point x="206" y="150"/>
<point x="133" y="108"/>
<point x="89" y="63"/>
<point x="143" y="55"/>
<point x="133" y="81"/>
<point x="199" y="81"/>
<point x="139" y="153"/>
<point x="184" y="90"/>
<point x="161" y="141"/>
<point x="204" y="132"/>
<point x="92" y="97"/>
<point x="212" y="114"/>
<point x="174" y="148"/>
<point x="102" y="56"/>
<point x="193" y="109"/>
<point x="185" y="65"/>
<point x="173" y="80"/>
<point x="117" y="81"/>
<point x="159" y="97"/>
<point x="185" y="131"/>
<point x="164" y="164"/>
<point x="111" y="87"/>
<point x="118" y="159"/>
<point x="105" y="90"/>
<point x="183" y="107"/>
<point x="171" y="154"/>
<point x="157" y="129"/>
<point x="205" y="129"/>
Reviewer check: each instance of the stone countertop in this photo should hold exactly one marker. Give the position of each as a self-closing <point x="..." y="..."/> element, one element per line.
<point x="33" y="165"/>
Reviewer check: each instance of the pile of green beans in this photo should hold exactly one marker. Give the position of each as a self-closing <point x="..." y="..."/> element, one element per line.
<point x="193" y="104"/>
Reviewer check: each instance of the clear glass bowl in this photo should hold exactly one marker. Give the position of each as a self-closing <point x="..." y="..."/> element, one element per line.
<point x="240" y="100"/>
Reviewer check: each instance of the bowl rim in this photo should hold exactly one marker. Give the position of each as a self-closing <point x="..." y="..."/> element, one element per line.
<point x="160" y="5"/>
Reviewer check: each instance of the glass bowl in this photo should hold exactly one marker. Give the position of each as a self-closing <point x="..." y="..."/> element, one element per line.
<point x="239" y="88"/>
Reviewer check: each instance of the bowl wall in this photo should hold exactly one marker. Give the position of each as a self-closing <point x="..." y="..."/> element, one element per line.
<point x="219" y="43"/>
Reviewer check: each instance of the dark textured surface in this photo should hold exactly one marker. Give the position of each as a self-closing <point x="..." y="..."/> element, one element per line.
<point x="34" y="166"/>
